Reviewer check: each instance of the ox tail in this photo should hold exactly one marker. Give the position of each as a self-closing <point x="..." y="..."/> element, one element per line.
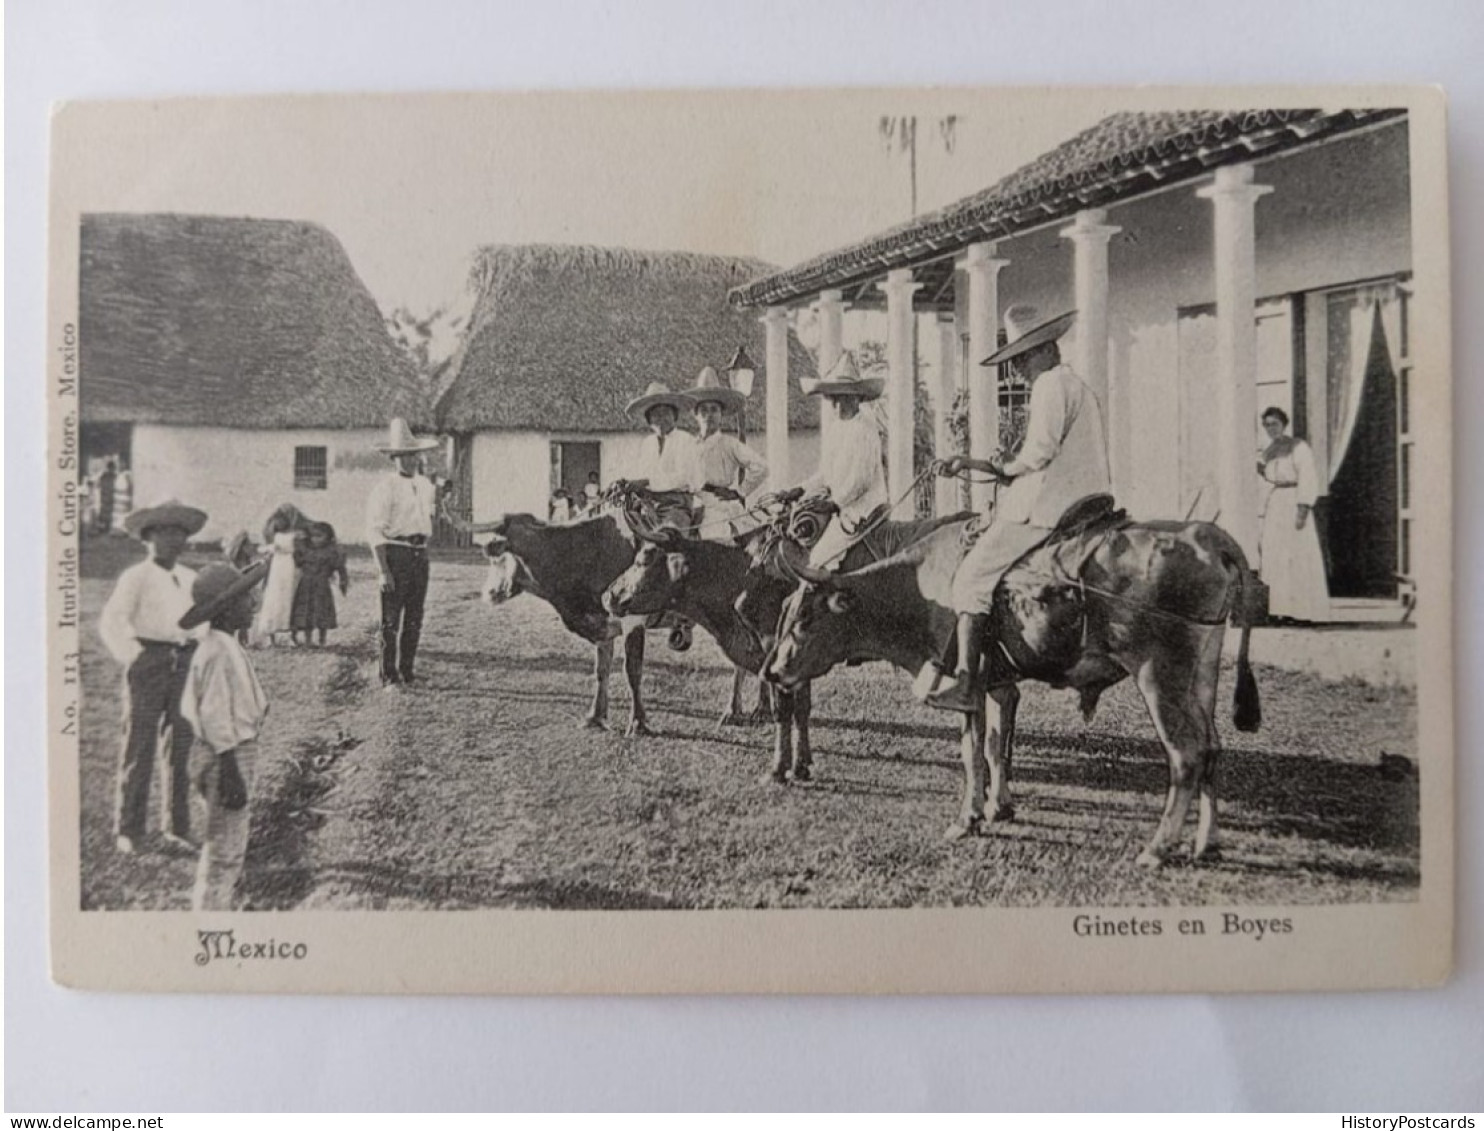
<point x="1246" y="705"/>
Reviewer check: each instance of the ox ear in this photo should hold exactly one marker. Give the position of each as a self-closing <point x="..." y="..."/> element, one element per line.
<point x="678" y="567"/>
<point x="840" y="601"/>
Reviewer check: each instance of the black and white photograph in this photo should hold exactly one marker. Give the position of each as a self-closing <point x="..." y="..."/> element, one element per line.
<point x="716" y="541"/>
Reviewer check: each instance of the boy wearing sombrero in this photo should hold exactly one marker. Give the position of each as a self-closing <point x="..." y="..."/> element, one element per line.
<point x="140" y="625"/>
<point x="850" y="470"/>
<point x="399" y="522"/>
<point x="1062" y="459"/>
<point x="225" y="705"/>
<point x="724" y="470"/>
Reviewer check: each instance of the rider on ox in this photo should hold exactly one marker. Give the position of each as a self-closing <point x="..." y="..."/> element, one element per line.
<point x="850" y="468"/>
<point x="724" y="471"/>
<point x="1062" y="459"/>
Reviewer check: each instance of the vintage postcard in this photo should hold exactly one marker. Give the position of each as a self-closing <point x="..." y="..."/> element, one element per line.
<point x="860" y="541"/>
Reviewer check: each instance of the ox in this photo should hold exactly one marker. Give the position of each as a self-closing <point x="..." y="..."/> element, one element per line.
<point x="717" y="585"/>
<point x="737" y="593"/>
<point x="569" y="566"/>
<point x="1147" y="600"/>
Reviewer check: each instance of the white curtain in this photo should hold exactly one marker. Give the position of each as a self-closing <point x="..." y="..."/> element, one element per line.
<point x="1376" y="311"/>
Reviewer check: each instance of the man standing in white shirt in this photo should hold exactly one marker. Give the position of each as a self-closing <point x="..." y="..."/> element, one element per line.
<point x="140" y="625"/>
<point x="399" y="522"/>
<point x="1062" y="459"/>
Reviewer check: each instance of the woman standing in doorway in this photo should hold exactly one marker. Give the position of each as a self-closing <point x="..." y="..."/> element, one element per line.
<point x="1289" y="558"/>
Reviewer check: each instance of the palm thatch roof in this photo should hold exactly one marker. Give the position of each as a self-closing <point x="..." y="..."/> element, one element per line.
<point x="1123" y="156"/>
<point x="561" y="338"/>
<point x="238" y="323"/>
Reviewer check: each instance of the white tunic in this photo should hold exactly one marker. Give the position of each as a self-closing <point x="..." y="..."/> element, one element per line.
<point x="851" y="468"/>
<point x="1064" y="456"/>
<point x="724" y="461"/>
<point x="666" y="466"/>
<point x="147" y="603"/>
<point x="399" y="507"/>
<point x="222" y="699"/>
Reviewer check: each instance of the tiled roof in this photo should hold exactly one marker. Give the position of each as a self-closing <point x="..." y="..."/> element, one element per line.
<point x="1124" y="155"/>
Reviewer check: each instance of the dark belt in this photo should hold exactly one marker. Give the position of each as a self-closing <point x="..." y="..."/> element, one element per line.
<point x="409" y="542"/>
<point x="166" y="646"/>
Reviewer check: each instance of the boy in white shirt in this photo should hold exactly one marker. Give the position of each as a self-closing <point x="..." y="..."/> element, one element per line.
<point x="140" y="627"/>
<point x="225" y="705"/>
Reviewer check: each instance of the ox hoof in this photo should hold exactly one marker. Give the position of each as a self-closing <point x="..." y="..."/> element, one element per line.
<point x="964" y="829"/>
<point x="803" y="773"/>
<point x="1004" y="814"/>
<point x="592" y="722"/>
<point x="732" y="719"/>
<point x="1210" y="855"/>
<point x="1150" y="859"/>
<point x="773" y="777"/>
<point x="759" y="718"/>
<point x="638" y="729"/>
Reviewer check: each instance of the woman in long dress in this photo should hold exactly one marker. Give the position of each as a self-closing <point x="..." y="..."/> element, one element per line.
<point x="284" y="533"/>
<point x="1289" y="558"/>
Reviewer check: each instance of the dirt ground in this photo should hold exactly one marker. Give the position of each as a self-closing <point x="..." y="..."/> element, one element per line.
<point x="480" y="789"/>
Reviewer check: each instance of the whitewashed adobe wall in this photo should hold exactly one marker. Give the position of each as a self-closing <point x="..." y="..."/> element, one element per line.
<point x="238" y="476"/>
<point x="511" y="471"/>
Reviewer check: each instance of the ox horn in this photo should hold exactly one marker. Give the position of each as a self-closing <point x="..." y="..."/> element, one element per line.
<point x="795" y="562"/>
<point x="664" y="537"/>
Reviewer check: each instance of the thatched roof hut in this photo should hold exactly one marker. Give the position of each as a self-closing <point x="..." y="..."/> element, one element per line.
<point x="238" y="323"/>
<point x="561" y="338"/>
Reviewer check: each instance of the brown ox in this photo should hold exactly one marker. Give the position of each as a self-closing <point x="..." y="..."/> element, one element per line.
<point x="737" y="593"/>
<point x="721" y="588"/>
<point x="1147" y="600"/>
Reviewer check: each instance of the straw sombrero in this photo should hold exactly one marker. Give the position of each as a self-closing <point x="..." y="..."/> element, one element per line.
<point x="1023" y="333"/>
<point x="216" y="586"/>
<point x="654" y="396"/>
<point x="172" y="512"/>
<point x="708" y="387"/>
<point x="844" y="380"/>
<point x="401" y="441"/>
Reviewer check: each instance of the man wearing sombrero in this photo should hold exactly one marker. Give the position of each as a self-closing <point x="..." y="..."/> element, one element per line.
<point x="724" y="470"/>
<point x="140" y="625"/>
<point x="1062" y="459"/>
<point x="665" y="456"/>
<point x="850" y="471"/>
<point x="399" y="522"/>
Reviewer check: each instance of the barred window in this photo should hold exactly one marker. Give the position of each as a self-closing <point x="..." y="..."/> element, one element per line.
<point x="311" y="469"/>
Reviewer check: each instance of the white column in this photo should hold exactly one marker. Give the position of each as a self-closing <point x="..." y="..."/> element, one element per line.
<point x="1090" y="235"/>
<point x="901" y="395"/>
<point x="775" y="321"/>
<point x="983" y="270"/>
<point x="830" y="309"/>
<point x="1235" y="199"/>
<point x="947" y="495"/>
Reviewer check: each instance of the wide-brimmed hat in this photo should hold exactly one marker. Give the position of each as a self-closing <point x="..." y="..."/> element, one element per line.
<point x="216" y="586"/>
<point x="844" y="380"/>
<point x="708" y="387"/>
<point x="1024" y="331"/>
<point x="172" y="512"/>
<point x="654" y="396"/>
<point x="401" y="441"/>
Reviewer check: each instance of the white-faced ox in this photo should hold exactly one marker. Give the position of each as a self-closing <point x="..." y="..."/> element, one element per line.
<point x="569" y="567"/>
<point x="1148" y="600"/>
